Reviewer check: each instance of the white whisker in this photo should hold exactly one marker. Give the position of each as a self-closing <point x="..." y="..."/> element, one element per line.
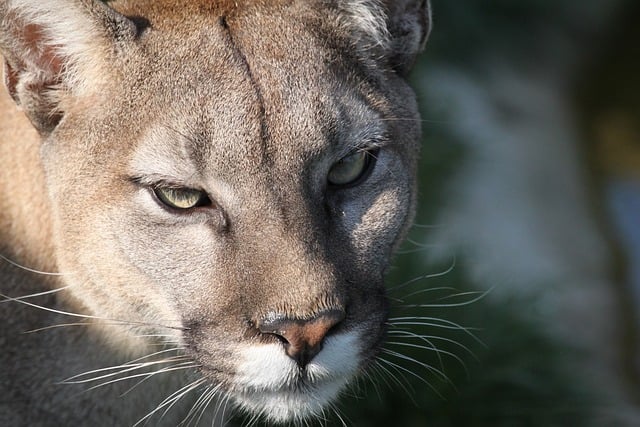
<point x="428" y="367"/>
<point x="39" y="294"/>
<point x="336" y="412"/>
<point x="31" y="270"/>
<point x="433" y="322"/>
<point x="60" y="325"/>
<point x="177" y="367"/>
<point x="417" y="250"/>
<point x="186" y="421"/>
<point x="172" y="400"/>
<point x="428" y="226"/>
<point x="480" y="296"/>
<point x="395" y="378"/>
<point x="86" y="316"/>
<point x="221" y="405"/>
<point x="78" y="379"/>
<point x="148" y="356"/>
<point x="408" y="119"/>
<point x="422" y="245"/>
<point x="211" y="395"/>
<point x="410" y="372"/>
<point x="437" y="350"/>
<point x="408" y="334"/>
<point x="374" y="382"/>
<point x="195" y="408"/>
<point x="425" y="277"/>
<point x="431" y="290"/>
<point x="154" y="373"/>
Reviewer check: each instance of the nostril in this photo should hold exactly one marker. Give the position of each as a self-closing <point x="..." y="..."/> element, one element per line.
<point x="302" y="338"/>
<point x="280" y="338"/>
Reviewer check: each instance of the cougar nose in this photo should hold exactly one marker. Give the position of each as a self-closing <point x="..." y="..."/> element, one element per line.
<point x="302" y="338"/>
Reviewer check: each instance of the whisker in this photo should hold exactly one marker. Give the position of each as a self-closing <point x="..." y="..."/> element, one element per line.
<point x="39" y="294"/>
<point x="416" y="250"/>
<point x="172" y="400"/>
<point x="436" y="289"/>
<point x="437" y="350"/>
<point x="183" y="365"/>
<point x="195" y="408"/>
<point x="437" y="325"/>
<point x="154" y="336"/>
<point x="420" y="244"/>
<point x="402" y="368"/>
<point x="336" y="412"/>
<point x="407" y="119"/>
<point x="222" y="404"/>
<point x="60" y="325"/>
<point x="86" y="316"/>
<point x="480" y="296"/>
<point x="374" y="382"/>
<point x="129" y="364"/>
<point x="66" y="313"/>
<point x="430" y="321"/>
<point x="432" y="337"/>
<point x="426" y="276"/>
<point x="168" y="350"/>
<point x="395" y="378"/>
<point x="431" y="347"/>
<point x="382" y="374"/>
<point x="417" y="225"/>
<point x="428" y="367"/>
<point x="211" y="395"/>
<point x="145" y="375"/>
<point x="154" y="373"/>
<point x="31" y="270"/>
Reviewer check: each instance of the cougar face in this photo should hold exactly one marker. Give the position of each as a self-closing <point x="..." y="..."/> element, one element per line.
<point x="232" y="177"/>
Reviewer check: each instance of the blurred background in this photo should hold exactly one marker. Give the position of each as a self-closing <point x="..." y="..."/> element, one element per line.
<point x="516" y="294"/>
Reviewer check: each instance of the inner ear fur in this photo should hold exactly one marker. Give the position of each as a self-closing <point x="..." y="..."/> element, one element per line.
<point x="51" y="51"/>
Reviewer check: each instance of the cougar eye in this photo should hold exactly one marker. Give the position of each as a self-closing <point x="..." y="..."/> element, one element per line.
<point x="181" y="198"/>
<point x="352" y="169"/>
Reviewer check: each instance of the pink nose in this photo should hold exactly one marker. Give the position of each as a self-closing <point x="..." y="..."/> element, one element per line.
<point x="302" y="338"/>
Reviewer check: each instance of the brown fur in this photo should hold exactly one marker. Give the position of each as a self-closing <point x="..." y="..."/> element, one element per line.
<point x="250" y="101"/>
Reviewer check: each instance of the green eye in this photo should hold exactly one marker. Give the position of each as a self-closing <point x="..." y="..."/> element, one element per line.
<point x="182" y="198"/>
<point x="351" y="169"/>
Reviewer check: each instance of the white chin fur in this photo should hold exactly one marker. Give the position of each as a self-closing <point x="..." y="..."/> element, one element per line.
<point x="270" y="383"/>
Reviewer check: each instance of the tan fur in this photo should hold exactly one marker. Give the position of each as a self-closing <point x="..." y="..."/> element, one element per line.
<point x="253" y="102"/>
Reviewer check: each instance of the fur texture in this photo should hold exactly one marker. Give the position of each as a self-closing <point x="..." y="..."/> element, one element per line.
<point x="251" y="105"/>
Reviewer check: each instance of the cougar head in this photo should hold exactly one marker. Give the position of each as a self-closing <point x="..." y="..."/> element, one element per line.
<point x="231" y="175"/>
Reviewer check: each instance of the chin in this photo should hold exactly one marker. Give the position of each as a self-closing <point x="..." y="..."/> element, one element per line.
<point x="272" y="385"/>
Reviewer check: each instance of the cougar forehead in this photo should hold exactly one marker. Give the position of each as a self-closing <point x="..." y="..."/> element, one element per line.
<point x="257" y="117"/>
<point x="271" y="85"/>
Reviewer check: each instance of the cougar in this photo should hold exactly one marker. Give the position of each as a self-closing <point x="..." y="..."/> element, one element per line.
<point x="199" y="201"/>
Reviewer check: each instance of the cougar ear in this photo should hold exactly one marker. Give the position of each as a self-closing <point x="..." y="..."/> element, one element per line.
<point x="399" y="27"/>
<point x="56" y="49"/>
<point x="409" y="26"/>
